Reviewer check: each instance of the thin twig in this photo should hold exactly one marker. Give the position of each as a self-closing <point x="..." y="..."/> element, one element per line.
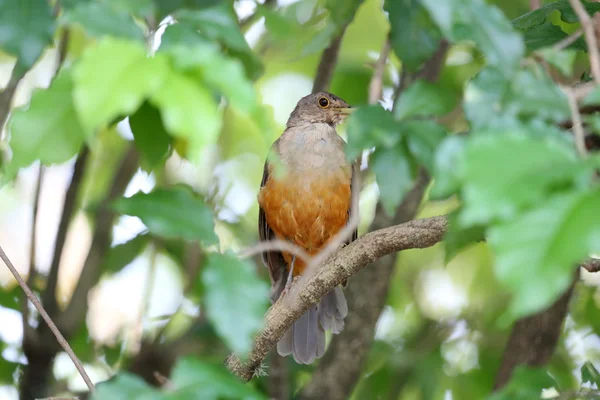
<point x="569" y="40"/>
<point x="590" y="37"/>
<point x="32" y="249"/>
<point x="276" y="245"/>
<point x="59" y="337"/>
<point x="376" y="84"/>
<point x="577" y="123"/>
<point x="591" y="265"/>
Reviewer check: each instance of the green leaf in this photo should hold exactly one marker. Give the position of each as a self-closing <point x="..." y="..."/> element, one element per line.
<point x="482" y="23"/>
<point x="139" y="8"/>
<point x="536" y="253"/>
<point x="413" y="35"/>
<point x="590" y="374"/>
<point x="561" y="59"/>
<point x="220" y="23"/>
<point x="394" y="176"/>
<point x="166" y="7"/>
<point x="123" y="254"/>
<point x="423" y="138"/>
<point x="114" y="78"/>
<point x="371" y="126"/>
<point x="593" y="98"/>
<point x="9" y="298"/>
<point x="173" y="213"/>
<point x="195" y="379"/>
<point x="48" y="129"/>
<point x="151" y="138"/>
<point x="449" y="167"/>
<point x="125" y="386"/>
<point x="493" y="100"/>
<point x="100" y="20"/>
<point x="188" y="111"/>
<point x="235" y="317"/>
<point x="26" y="28"/>
<point x="221" y="73"/>
<point x="537" y="17"/>
<point x="525" y="384"/>
<point x="424" y="98"/>
<point x="548" y="34"/>
<point x="342" y="11"/>
<point x="182" y="34"/>
<point x="506" y="172"/>
<point x="458" y="238"/>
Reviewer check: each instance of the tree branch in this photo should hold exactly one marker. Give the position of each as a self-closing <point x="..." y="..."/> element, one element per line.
<point x="49" y="295"/>
<point x="590" y="37"/>
<point x="327" y="64"/>
<point x="6" y="96"/>
<point x="534" y="338"/>
<point x="75" y="312"/>
<point x="59" y="337"/>
<point x="344" y="264"/>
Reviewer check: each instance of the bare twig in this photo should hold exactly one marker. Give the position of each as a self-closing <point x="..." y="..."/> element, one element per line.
<point x="6" y="96"/>
<point x="32" y="250"/>
<point x="590" y="37"/>
<point x="569" y="40"/>
<point x="49" y="295"/>
<point x="591" y="265"/>
<point x="577" y="123"/>
<point x="276" y="245"/>
<point x="59" y="337"/>
<point x="345" y="263"/>
<point x="376" y="84"/>
<point x="327" y="64"/>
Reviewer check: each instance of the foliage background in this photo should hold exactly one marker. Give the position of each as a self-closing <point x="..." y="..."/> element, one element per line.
<point x="161" y="191"/>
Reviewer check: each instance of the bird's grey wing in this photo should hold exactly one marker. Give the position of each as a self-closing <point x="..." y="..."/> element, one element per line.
<point x="272" y="259"/>
<point x="354" y="191"/>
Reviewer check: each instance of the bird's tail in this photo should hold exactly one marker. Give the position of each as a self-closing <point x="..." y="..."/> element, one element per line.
<point x="306" y="338"/>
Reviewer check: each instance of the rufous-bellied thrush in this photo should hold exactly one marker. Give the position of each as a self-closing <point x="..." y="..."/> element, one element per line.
<point x="307" y="202"/>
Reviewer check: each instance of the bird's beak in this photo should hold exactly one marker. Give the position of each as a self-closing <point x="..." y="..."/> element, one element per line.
<point x="345" y="110"/>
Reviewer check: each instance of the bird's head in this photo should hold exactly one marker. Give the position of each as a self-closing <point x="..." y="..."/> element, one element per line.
<point x="320" y="107"/>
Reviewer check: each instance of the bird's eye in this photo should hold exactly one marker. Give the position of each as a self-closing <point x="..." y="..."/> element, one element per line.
<point x="323" y="102"/>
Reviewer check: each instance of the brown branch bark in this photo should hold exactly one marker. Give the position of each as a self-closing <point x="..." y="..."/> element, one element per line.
<point x="344" y="264"/>
<point x="6" y="97"/>
<point x="49" y="295"/>
<point x="327" y="64"/>
<point x="533" y="339"/>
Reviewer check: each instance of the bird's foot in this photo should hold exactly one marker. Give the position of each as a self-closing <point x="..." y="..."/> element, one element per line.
<point x="288" y="285"/>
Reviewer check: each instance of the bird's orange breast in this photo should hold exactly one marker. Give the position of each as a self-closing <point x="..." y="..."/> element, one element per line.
<point x="307" y="210"/>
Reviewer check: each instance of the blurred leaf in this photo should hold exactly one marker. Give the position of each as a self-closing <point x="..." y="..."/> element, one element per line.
<point x="506" y="172"/>
<point x="593" y="98"/>
<point x="562" y="60"/>
<point x="371" y="126"/>
<point x="7" y="371"/>
<point x="394" y="177"/>
<point x="113" y="78"/>
<point x="9" y="298"/>
<point x="235" y="299"/>
<point x="188" y="111"/>
<point x="536" y="253"/>
<point x="424" y="98"/>
<point x="492" y="100"/>
<point x="182" y="34"/>
<point x="342" y="11"/>
<point x="223" y="74"/>
<point x="567" y="14"/>
<point x="458" y="238"/>
<point x="26" y="28"/>
<point x="590" y="374"/>
<point x="195" y="379"/>
<point x="220" y="23"/>
<point x="449" y="167"/>
<point x="151" y="138"/>
<point x="423" y="138"/>
<point x="123" y="254"/>
<point x="100" y="20"/>
<point x="413" y="36"/>
<point x="48" y="129"/>
<point x="525" y="384"/>
<point x="548" y="34"/>
<point x="281" y="27"/>
<point x="139" y="8"/>
<point x="482" y="23"/>
<point x="172" y="213"/>
<point x="166" y="7"/>
<point x="125" y="386"/>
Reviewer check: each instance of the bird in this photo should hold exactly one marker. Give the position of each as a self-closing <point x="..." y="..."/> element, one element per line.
<point x="305" y="198"/>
